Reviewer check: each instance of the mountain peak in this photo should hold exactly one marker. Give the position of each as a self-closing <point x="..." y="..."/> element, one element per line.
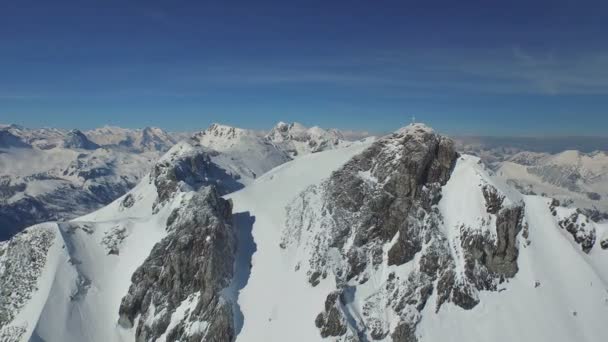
<point x="415" y="128"/>
<point x="298" y="139"/>
<point x="76" y="139"/>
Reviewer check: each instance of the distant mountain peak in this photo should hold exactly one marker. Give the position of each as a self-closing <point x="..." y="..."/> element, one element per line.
<point x="298" y="139"/>
<point x="76" y="139"/>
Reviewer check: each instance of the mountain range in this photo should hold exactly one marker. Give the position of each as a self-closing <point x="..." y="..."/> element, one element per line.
<point x="236" y="235"/>
<point x="53" y="174"/>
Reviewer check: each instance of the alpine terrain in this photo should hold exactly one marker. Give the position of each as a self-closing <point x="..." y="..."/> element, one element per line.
<point x="299" y="235"/>
<point x="51" y="174"/>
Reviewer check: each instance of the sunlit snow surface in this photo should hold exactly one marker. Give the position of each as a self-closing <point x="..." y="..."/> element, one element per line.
<point x="559" y="294"/>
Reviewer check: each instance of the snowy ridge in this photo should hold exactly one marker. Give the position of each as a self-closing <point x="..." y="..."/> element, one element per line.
<point x="86" y="265"/>
<point x="298" y="140"/>
<point x="401" y="239"/>
<point x="139" y="140"/>
<point x="367" y="308"/>
<point x="245" y="152"/>
<point x="571" y="176"/>
<point x="63" y="183"/>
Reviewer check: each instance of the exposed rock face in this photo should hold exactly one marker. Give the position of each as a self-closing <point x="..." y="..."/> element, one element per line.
<point x="387" y="189"/>
<point x="184" y="276"/>
<point x="604" y="243"/>
<point x="190" y="167"/>
<point x="404" y="333"/>
<point x="493" y="199"/>
<point x="578" y="226"/>
<point x="331" y="322"/>
<point x="23" y="259"/>
<point x="379" y="211"/>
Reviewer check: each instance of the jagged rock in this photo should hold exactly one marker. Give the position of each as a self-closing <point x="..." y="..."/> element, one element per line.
<point x="189" y="267"/>
<point x="386" y="194"/>
<point x="128" y="201"/>
<point x="331" y="322"/>
<point x="380" y="210"/>
<point x="378" y="189"/>
<point x="190" y="167"/>
<point x="575" y="225"/>
<point x="404" y="332"/>
<point x="26" y="254"/>
<point x="493" y="199"/>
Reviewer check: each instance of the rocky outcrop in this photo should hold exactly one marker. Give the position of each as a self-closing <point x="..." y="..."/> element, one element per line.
<point x="378" y="208"/>
<point x="176" y="292"/>
<point x="581" y="230"/>
<point x="380" y="211"/>
<point x="493" y="199"/>
<point x="189" y="168"/>
<point x="331" y="322"/>
<point x="604" y="243"/>
<point x="387" y="189"/>
<point x="22" y="261"/>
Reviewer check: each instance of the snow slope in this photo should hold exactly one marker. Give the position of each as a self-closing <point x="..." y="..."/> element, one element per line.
<point x="559" y="294"/>
<point x="569" y="303"/>
<point x="86" y="265"/>
<point x="322" y="254"/>
<point x="62" y="183"/>
<point x="277" y="302"/>
<point x="246" y="152"/>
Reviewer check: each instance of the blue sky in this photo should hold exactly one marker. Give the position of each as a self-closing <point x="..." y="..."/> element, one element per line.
<point x="466" y="67"/>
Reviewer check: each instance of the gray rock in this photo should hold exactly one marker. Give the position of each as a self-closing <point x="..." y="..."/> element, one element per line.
<point x="193" y="169"/>
<point x="493" y="199"/>
<point x="388" y="194"/>
<point x="584" y="237"/>
<point x="193" y="263"/>
<point x="332" y="322"/>
<point x="404" y="332"/>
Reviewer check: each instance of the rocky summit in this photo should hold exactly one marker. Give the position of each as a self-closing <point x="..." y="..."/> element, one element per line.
<point x="232" y="235"/>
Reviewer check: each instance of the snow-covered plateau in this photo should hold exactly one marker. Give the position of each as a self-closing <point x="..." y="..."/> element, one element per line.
<point x="396" y="239"/>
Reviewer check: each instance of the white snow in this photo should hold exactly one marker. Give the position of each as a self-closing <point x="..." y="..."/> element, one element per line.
<point x="571" y="303"/>
<point x="277" y="301"/>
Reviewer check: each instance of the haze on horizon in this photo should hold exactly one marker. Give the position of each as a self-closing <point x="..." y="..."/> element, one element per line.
<point x="511" y="69"/>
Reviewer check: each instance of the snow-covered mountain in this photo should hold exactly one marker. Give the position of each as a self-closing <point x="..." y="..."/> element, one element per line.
<point x="297" y="139"/>
<point x="578" y="179"/>
<point x="53" y="174"/>
<point x="401" y="239"/>
<point x="75" y="172"/>
<point x="42" y="138"/>
<point x="63" y="182"/>
<point x="245" y="152"/>
<point x="575" y="178"/>
<point x="8" y="139"/>
<point x="139" y="140"/>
